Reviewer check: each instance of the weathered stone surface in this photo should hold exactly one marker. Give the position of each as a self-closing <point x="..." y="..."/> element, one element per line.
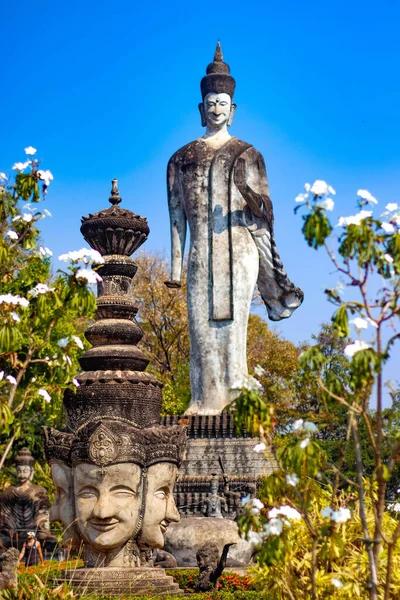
<point x="8" y="569"/>
<point x="138" y="581"/>
<point x="185" y="538"/>
<point x="218" y="185"/>
<point x="116" y="466"/>
<point x="24" y="507"/>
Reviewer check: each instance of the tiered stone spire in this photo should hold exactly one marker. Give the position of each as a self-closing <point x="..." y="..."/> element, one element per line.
<point x="113" y="381"/>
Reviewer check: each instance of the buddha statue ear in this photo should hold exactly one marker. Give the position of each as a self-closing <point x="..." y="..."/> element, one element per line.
<point x="232" y="114"/>
<point x="203" y="115"/>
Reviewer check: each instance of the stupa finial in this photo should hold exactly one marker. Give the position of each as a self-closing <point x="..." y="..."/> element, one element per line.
<point x="115" y="198"/>
<point x="218" y="56"/>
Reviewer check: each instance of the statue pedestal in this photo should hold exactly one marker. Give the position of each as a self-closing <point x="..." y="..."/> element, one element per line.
<point x="138" y="581"/>
<point x="214" y="447"/>
<point x="185" y="538"/>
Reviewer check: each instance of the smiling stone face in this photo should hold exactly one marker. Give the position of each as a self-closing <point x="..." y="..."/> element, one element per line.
<point x="107" y="505"/>
<point x="217" y="109"/>
<point x="160" y="505"/>
<point x="24" y="474"/>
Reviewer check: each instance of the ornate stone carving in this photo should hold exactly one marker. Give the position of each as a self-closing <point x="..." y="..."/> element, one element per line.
<point x="116" y="466"/>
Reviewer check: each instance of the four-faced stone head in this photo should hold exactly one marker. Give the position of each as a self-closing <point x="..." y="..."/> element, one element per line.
<point x="107" y="504"/>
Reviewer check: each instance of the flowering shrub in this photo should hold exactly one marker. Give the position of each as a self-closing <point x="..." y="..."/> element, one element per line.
<point x="318" y="532"/>
<point x="39" y="310"/>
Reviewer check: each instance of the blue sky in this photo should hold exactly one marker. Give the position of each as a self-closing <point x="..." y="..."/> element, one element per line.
<point x="108" y="90"/>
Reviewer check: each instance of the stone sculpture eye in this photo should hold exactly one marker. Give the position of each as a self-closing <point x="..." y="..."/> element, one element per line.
<point x="88" y="493"/>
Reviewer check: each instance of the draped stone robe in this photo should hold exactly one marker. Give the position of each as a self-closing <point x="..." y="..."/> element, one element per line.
<point x="231" y="249"/>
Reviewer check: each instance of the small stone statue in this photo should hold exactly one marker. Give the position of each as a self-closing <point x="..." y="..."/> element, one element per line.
<point x="8" y="569"/>
<point x="215" y="504"/>
<point x="24" y="507"/>
<point x="165" y="559"/>
<point x="211" y="566"/>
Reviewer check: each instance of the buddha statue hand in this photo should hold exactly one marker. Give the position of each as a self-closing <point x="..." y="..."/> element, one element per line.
<point x="254" y="201"/>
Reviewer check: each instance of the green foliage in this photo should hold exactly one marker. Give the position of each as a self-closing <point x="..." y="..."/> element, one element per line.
<point x="320" y="520"/>
<point x="37" y="310"/>
<point x="316" y="228"/>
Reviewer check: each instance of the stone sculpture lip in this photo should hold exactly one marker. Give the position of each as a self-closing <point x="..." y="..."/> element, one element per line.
<point x="103" y="526"/>
<point x="164" y="526"/>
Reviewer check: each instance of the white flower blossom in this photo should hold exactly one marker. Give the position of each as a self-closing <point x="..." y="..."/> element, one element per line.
<point x="359" y="323"/>
<point x="320" y="188"/>
<point x="387" y="227"/>
<point x="365" y="195"/>
<point x="27" y="217"/>
<point x="292" y="479"/>
<point x="255" y="538"/>
<point x="40" y="288"/>
<point x="395" y="507"/>
<point x="76" y="382"/>
<point x="258" y="370"/>
<point x="247" y="382"/>
<point x="273" y="527"/>
<point x="310" y="427"/>
<point x="12" y="234"/>
<point x="67" y="359"/>
<point x="301" y="198"/>
<point x="63" y="342"/>
<point x="356" y="346"/>
<point x="85" y="255"/>
<point x="326" y="512"/>
<point x="338" y="289"/>
<point x="77" y="341"/>
<point x="11" y="380"/>
<point x="44" y="394"/>
<point x="392" y="206"/>
<point x="341" y="515"/>
<point x="286" y="511"/>
<point x="3" y="177"/>
<point x="259" y="447"/>
<point x="298" y="425"/>
<point x="45" y="176"/>
<point x="30" y="150"/>
<point x="1" y="375"/>
<point x="327" y="204"/>
<point x="388" y="258"/>
<point x="44" y="251"/>
<point x="304" y="443"/>
<point x="20" y="166"/>
<point x="307" y="187"/>
<point x="336" y="582"/>
<point x="354" y="219"/>
<point x="15" y="317"/>
<point x="88" y="275"/>
<point x="47" y="213"/>
<point x="256" y="506"/>
<point x="15" y="300"/>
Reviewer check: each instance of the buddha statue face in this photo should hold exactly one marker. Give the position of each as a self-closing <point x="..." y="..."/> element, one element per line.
<point x="160" y="508"/>
<point x="107" y="503"/>
<point x="24" y="473"/>
<point x="217" y="110"/>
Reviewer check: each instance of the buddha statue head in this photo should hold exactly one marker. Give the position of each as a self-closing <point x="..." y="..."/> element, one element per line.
<point x="217" y="89"/>
<point x="24" y="466"/>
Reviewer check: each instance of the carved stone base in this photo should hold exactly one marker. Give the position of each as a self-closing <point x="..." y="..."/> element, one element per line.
<point x="113" y="580"/>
